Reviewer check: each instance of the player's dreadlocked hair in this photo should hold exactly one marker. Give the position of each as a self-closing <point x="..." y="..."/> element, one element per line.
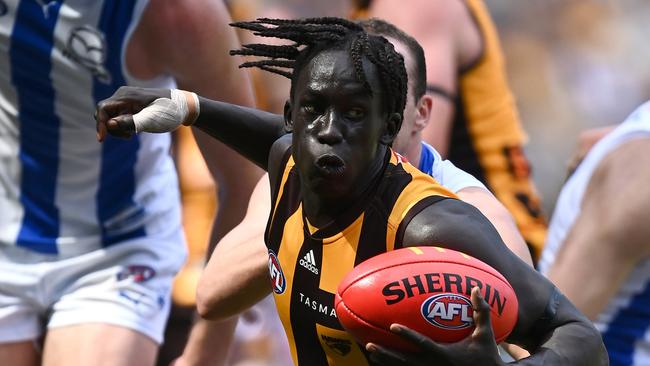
<point x="314" y="35"/>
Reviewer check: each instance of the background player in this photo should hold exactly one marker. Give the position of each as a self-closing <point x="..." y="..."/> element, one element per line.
<point x="90" y="236"/>
<point x="601" y="222"/>
<point x="476" y="124"/>
<point x="343" y="113"/>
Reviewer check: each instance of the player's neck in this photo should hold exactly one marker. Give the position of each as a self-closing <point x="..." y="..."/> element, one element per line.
<point x="414" y="152"/>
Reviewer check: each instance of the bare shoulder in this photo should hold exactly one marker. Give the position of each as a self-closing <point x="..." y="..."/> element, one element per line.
<point x="624" y="162"/>
<point x="623" y="173"/>
<point x="619" y="188"/>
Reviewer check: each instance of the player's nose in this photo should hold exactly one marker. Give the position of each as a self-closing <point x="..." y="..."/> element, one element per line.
<point x="329" y="131"/>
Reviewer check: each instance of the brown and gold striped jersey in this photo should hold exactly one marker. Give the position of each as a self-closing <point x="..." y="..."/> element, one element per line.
<point x="307" y="263"/>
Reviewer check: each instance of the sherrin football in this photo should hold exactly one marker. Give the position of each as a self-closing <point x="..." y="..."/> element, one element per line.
<point x="426" y="289"/>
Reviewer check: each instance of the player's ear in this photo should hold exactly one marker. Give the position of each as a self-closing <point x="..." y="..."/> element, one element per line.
<point x="288" y="122"/>
<point x="423" y="112"/>
<point x="393" y="123"/>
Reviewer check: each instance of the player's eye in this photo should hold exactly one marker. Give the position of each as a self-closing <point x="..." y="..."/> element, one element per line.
<point x="356" y="113"/>
<point x="309" y="108"/>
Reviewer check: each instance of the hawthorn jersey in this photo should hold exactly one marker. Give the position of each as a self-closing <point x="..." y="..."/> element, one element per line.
<point x="487" y="136"/>
<point x="307" y="263"/>
<point x="625" y="321"/>
<point x="62" y="192"/>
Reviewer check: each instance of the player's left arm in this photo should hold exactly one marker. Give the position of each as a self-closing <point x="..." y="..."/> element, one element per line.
<point x="611" y="233"/>
<point x="548" y="325"/>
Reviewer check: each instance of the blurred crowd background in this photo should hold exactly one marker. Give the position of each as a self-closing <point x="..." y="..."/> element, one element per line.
<point x="572" y="65"/>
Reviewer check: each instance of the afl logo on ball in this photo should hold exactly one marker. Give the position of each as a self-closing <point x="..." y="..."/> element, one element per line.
<point x="448" y="311"/>
<point x="278" y="282"/>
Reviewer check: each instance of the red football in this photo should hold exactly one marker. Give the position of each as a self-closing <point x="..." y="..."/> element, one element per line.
<point x="426" y="289"/>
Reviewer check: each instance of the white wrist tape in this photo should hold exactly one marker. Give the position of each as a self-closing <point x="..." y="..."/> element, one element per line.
<point x="165" y="114"/>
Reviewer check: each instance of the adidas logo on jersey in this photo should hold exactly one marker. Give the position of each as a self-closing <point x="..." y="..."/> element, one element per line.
<point x="309" y="262"/>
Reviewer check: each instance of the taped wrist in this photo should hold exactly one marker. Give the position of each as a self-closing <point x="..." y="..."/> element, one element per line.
<point x="188" y="103"/>
<point x="166" y="114"/>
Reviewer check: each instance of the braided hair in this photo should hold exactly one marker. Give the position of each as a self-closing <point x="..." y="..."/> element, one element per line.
<point x="313" y="35"/>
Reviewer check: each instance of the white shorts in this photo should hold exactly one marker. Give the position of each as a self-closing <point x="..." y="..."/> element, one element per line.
<point x="127" y="285"/>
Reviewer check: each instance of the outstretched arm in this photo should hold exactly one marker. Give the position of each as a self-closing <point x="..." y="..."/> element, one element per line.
<point x="548" y="325"/>
<point x="249" y="131"/>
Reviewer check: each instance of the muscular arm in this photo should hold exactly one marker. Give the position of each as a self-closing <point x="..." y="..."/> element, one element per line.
<point x="236" y="277"/>
<point x="611" y="233"/>
<point x="249" y="131"/>
<point x="560" y="337"/>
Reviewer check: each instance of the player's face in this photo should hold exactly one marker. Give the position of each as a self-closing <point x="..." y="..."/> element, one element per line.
<point x="406" y="132"/>
<point x="337" y="125"/>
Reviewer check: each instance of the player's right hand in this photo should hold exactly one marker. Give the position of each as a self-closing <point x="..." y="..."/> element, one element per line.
<point x="115" y="115"/>
<point x="478" y="348"/>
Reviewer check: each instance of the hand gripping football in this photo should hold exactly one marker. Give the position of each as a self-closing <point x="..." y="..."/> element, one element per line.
<point x="426" y="289"/>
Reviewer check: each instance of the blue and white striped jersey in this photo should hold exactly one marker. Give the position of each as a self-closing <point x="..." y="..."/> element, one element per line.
<point x="62" y="192"/>
<point x="625" y="322"/>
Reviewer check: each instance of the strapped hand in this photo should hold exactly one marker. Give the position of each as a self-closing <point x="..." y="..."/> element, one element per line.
<point x="131" y="110"/>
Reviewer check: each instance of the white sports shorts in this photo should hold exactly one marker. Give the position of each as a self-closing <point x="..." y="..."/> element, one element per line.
<point x="127" y="284"/>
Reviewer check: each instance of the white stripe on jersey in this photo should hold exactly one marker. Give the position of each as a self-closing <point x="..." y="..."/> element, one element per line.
<point x="12" y="211"/>
<point x="79" y="153"/>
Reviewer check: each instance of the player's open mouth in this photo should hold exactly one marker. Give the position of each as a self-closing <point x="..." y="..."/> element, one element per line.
<point x="330" y="164"/>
